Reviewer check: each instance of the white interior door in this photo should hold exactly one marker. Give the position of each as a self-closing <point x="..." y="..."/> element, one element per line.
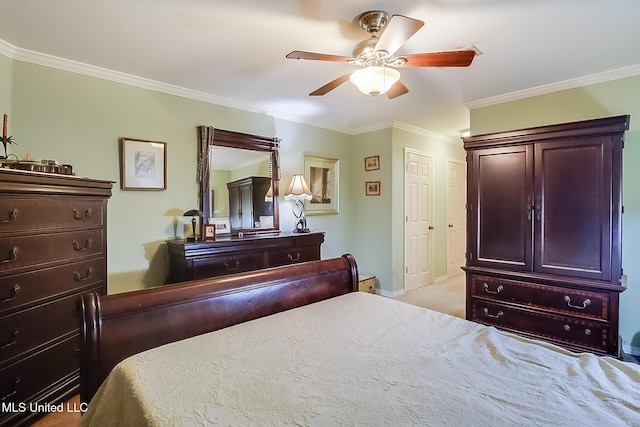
<point x="418" y="220"/>
<point x="456" y="217"/>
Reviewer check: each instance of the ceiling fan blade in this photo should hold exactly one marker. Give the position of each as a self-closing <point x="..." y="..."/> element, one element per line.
<point x="399" y="29"/>
<point x="296" y="54"/>
<point x="330" y="86"/>
<point x="458" y="58"/>
<point x="396" y="90"/>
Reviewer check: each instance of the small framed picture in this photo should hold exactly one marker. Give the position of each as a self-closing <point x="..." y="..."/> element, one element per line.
<point x="209" y="232"/>
<point x="372" y="188"/>
<point x="372" y="163"/>
<point x="144" y="165"/>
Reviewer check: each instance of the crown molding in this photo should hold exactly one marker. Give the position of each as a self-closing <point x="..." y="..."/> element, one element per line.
<point x="430" y="134"/>
<point x="606" y="76"/>
<point x="7" y="49"/>
<point x="63" y="64"/>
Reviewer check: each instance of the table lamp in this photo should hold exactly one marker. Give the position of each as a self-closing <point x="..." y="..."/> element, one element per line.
<point x="298" y="190"/>
<point x="193" y="213"/>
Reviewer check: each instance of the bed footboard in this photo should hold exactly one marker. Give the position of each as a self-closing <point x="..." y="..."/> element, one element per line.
<point x="114" y="327"/>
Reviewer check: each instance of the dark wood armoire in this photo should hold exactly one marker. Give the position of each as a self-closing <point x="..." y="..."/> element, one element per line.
<point x="543" y="232"/>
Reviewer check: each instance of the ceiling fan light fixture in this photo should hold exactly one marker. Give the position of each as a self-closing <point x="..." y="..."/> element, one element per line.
<point x="374" y="80"/>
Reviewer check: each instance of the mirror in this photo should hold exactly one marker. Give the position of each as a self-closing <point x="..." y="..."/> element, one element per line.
<point x="239" y="181"/>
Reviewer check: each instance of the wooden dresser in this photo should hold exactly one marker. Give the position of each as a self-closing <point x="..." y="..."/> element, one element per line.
<point x="53" y="239"/>
<point x="198" y="260"/>
<point x="543" y="232"/>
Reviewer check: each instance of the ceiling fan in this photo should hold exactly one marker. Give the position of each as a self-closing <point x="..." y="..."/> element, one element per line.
<point x="378" y="59"/>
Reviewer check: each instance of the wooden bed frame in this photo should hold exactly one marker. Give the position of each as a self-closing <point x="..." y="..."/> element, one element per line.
<point x="114" y="327"/>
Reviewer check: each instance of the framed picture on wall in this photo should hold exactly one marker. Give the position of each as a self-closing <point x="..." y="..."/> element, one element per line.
<point x="144" y="165"/>
<point x="372" y="188"/>
<point x="322" y="175"/>
<point x="372" y="163"/>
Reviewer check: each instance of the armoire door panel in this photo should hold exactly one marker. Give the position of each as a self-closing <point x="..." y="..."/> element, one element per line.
<point x="503" y="200"/>
<point x="573" y="208"/>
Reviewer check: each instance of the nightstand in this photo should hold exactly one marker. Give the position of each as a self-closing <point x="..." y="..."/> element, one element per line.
<point x="367" y="283"/>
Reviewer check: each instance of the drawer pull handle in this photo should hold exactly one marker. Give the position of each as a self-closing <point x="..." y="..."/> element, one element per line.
<point x="567" y="328"/>
<point x="494" y="316"/>
<point x="87" y="276"/>
<point x="229" y="268"/>
<point x="76" y="214"/>
<point x="16" y="383"/>
<point x="14" y="293"/>
<point x="499" y="289"/>
<point x="87" y="245"/>
<point x="587" y="331"/>
<point x="297" y="258"/>
<point x="13" y="216"/>
<point x="13" y="254"/>
<point x="584" y="305"/>
<point x="13" y="339"/>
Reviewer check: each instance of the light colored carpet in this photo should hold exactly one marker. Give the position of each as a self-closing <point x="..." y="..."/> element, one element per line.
<point x="447" y="296"/>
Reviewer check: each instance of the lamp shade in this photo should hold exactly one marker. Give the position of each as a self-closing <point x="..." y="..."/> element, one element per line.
<point x="374" y="80"/>
<point x="192" y="212"/>
<point x="298" y="189"/>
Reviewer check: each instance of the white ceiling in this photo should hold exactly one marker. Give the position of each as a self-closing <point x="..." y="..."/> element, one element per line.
<point x="233" y="52"/>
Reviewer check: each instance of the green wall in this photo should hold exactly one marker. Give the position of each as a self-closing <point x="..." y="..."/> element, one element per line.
<point x="379" y="220"/>
<point x="78" y="119"/>
<point x="613" y="98"/>
<point x="6" y="75"/>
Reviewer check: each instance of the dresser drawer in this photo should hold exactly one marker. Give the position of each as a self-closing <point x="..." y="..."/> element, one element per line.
<point x="33" y="374"/>
<point x="23" y="331"/>
<point x="45" y="213"/>
<point x="564" y="330"/>
<point x="27" y="251"/>
<point x="292" y="255"/>
<point x="227" y="264"/>
<point x="20" y="290"/>
<point x="564" y="300"/>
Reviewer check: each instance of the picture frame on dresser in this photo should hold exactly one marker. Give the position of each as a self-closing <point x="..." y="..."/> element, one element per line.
<point x="143" y="164"/>
<point x="209" y="232"/>
<point x="222" y="226"/>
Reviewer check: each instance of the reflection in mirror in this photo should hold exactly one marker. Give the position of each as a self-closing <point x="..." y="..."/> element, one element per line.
<point x="239" y="177"/>
<point x="240" y="183"/>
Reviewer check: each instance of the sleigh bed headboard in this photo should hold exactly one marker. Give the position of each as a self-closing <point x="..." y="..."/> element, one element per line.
<point x="114" y="327"/>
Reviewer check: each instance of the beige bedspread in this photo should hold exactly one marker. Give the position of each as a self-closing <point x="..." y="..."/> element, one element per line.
<point x="362" y="359"/>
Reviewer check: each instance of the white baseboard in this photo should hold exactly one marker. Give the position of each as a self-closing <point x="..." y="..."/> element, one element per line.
<point x="634" y="351"/>
<point x="389" y="294"/>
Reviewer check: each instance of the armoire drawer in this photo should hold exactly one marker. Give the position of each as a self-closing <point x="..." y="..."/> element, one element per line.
<point x="575" y="331"/>
<point x="288" y="256"/>
<point x="564" y="300"/>
<point x="23" y="214"/>
<point x="26" y="251"/>
<point x="23" y="331"/>
<point x="31" y="375"/>
<point x="227" y="264"/>
<point x="19" y="290"/>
